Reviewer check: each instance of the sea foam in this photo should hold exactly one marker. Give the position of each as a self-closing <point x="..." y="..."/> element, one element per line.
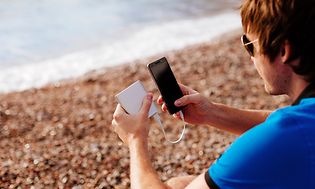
<point x="145" y="42"/>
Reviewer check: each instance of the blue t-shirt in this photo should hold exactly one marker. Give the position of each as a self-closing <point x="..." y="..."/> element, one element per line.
<point x="279" y="153"/>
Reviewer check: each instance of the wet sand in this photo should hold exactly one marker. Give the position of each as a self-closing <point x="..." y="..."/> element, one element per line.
<point x="60" y="135"/>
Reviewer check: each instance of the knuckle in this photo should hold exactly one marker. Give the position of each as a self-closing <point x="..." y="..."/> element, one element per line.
<point x="185" y="98"/>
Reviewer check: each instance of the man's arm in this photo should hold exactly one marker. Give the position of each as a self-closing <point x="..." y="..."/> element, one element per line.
<point x="199" y="110"/>
<point x="133" y="131"/>
<point x="142" y="174"/>
<point x="235" y="120"/>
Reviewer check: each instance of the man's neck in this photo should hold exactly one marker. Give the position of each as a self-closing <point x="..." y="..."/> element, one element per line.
<point x="297" y="86"/>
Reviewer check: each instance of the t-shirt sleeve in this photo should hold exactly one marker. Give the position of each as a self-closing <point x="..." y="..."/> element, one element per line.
<point x="263" y="157"/>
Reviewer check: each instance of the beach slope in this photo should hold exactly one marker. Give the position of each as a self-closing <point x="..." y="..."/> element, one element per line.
<point x="60" y="135"/>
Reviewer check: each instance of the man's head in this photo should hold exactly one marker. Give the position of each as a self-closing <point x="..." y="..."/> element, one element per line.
<point x="278" y="22"/>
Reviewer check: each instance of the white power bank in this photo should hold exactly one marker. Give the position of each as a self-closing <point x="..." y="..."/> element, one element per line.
<point x="132" y="97"/>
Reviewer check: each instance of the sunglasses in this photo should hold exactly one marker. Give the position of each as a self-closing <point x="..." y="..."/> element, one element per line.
<point x="249" y="46"/>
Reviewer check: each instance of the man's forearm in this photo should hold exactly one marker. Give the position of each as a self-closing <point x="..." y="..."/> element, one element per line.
<point x="142" y="174"/>
<point x="236" y="120"/>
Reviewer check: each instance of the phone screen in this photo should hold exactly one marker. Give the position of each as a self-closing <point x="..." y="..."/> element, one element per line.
<point x="166" y="83"/>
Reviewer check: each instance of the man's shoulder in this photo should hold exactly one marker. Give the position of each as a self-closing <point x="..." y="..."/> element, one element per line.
<point x="272" y="153"/>
<point x="303" y="113"/>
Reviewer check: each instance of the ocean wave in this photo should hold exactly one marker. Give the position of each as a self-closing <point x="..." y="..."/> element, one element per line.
<point x="145" y="42"/>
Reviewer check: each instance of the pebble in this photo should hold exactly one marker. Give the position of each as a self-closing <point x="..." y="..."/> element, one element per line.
<point x="59" y="136"/>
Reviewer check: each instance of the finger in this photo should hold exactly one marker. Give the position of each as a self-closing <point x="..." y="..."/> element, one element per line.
<point x="159" y="100"/>
<point x="187" y="99"/>
<point x="186" y="90"/>
<point x="176" y="116"/>
<point x="183" y="88"/>
<point x="146" y="104"/>
<point x="164" y="108"/>
<point x="119" y="112"/>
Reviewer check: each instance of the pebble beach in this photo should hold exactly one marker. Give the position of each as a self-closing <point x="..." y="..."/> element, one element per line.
<point x="60" y="135"/>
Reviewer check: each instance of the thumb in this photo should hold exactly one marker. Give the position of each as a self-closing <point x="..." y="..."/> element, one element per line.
<point x="146" y="104"/>
<point x="187" y="99"/>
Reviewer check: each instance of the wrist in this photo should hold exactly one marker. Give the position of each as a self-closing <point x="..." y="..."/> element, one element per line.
<point x="214" y="114"/>
<point x="136" y="140"/>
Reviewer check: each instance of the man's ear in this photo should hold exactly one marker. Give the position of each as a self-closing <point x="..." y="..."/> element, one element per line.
<point x="286" y="52"/>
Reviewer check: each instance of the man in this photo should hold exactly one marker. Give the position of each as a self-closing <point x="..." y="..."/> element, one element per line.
<point x="275" y="149"/>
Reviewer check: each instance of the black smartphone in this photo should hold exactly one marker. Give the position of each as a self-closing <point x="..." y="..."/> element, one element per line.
<point x="166" y="83"/>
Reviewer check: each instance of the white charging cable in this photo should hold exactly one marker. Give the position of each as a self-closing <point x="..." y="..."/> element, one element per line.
<point x="158" y="120"/>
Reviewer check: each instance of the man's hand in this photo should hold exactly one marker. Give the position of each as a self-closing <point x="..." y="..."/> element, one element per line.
<point x="130" y="127"/>
<point x="197" y="109"/>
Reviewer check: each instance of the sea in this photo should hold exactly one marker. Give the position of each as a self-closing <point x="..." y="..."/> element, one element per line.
<point x="45" y="41"/>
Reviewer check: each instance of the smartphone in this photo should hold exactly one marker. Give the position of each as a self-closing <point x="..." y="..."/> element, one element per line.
<point x="166" y="82"/>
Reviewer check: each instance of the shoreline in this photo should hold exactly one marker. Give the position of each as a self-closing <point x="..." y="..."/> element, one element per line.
<point x="140" y="43"/>
<point x="60" y="135"/>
